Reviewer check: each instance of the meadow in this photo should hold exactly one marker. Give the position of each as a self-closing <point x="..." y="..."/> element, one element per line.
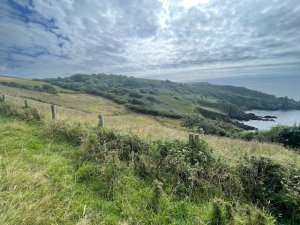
<point x="84" y="108"/>
<point x="68" y="172"/>
<point x="41" y="183"/>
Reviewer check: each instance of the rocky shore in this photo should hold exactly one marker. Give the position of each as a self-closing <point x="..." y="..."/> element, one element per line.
<point x="252" y="116"/>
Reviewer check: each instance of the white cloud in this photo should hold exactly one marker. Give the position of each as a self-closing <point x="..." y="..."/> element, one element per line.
<point x="192" y="3"/>
<point x="62" y="37"/>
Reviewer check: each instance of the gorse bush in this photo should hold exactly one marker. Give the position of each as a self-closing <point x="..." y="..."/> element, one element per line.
<point x="27" y="114"/>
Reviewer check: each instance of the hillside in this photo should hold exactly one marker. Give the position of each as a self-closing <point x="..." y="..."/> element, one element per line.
<point x="30" y="84"/>
<point x="172" y="99"/>
<point x="60" y="173"/>
<point x="134" y="195"/>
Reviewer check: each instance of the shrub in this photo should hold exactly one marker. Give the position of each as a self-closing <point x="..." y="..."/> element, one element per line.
<point x="27" y="114"/>
<point x="48" y="88"/>
<point x="133" y="94"/>
<point x="212" y="114"/>
<point x="152" y="99"/>
<point x="73" y="134"/>
<point x="171" y="162"/>
<point x="273" y="186"/>
<point x="289" y="136"/>
<point x="210" y="126"/>
<point x="136" y="101"/>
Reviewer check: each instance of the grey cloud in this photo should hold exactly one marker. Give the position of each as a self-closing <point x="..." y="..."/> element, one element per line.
<point x="128" y="36"/>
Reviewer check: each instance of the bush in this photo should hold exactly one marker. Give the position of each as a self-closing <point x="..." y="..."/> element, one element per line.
<point x="73" y="134"/>
<point x="178" y="165"/>
<point x="133" y="94"/>
<point x="152" y="99"/>
<point x="215" y="127"/>
<point x="136" y="101"/>
<point x="272" y="186"/>
<point x="27" y="114"/>
<point x="289" y="136"/>
<point x="183" y="169"/>
<point x="48" y="88"/>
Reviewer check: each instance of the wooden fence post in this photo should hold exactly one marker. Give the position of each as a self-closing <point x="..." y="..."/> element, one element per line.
<point x="101" y="120"/>
<point x="3" y="98"/>
<point x="191" y="138"/>
<point x="201" y="131"/>
<point x="196" y="137"/>
<point x="25" y="103"/>
<point x="53" y="111"/>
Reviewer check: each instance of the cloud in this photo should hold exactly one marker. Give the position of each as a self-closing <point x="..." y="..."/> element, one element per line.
<point x="178" y="39"/>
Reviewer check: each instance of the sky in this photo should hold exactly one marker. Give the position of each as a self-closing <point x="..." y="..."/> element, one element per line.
<point x="180" y="40"/>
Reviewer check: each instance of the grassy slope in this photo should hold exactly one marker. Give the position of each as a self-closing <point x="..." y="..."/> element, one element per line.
<point x="170" y="98"/>
<point x="29" y="82"/>
<point x="37" y="180"/>
<point x="38" y="186"/>
<point x="44" y="179"/>
<point x="117" y="117"/>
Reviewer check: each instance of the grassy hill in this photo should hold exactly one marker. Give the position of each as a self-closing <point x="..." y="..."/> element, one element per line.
<point x="85" y="108"/>
<point x="57" y="172"/>
<point x="30" y="84"/>
<point x="67" y="159"/>
<point x="172" y="99"/>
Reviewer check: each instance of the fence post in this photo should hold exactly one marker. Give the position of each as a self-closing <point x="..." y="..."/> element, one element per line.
<point x="25" y="103"/>
<point x="196" y="137"/>
<point x="53" y="111"/>
<point x="201" y="131"/>
<point x="3" y="98"/>
<point x="191" y="138"/>
<point x="101" y="120"/>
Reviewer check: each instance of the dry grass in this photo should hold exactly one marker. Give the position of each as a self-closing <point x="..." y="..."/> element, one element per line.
<point x="39" y="185"/>
<point x="30" y="82"/>
<point x="233" y="150"/>
<point x="151" y="127"/>
<point x="21" y="81"/>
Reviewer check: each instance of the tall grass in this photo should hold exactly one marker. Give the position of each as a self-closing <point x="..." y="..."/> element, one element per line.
<point x="172" y="168"/>
<point x="148" y="127"/>
<point x="47" y="182"/>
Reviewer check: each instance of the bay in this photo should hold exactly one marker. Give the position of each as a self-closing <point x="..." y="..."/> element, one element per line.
<point x="284" y="117"/>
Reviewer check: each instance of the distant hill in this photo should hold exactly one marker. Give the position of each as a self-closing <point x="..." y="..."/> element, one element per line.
<point x="29" y="84"/>
<point x="172" y="99"/>
<point x="280" y="86"/>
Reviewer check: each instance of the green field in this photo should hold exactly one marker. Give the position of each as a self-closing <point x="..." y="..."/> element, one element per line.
<point x="39" y="186"/>
<point x="27" y="83"/>
<point x="56" y="172"/>
<point x="176" y="100"/>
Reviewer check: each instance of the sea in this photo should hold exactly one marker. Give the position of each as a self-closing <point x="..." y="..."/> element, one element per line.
<point x="279" y="86"/>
